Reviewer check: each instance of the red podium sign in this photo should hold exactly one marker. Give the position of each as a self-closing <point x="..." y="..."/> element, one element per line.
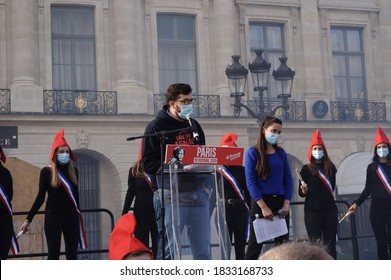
<point x="192" y="154"/>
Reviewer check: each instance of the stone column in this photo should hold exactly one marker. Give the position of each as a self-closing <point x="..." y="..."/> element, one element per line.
<point x="132" y="98"/>
<point x="223" y="34"/>
<point x="24" y="57"/>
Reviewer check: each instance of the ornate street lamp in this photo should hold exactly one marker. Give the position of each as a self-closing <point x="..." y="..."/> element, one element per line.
<point x="237" y="77"/>
<point x="284" y="80"/>
<point x="259" y="68"/>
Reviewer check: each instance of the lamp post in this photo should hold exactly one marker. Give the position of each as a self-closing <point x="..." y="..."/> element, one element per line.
<point x="259" y="68"/>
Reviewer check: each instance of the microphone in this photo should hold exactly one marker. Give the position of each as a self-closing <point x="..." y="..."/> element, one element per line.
<point x="196" y="136"/>
<point x="131" y="138"/>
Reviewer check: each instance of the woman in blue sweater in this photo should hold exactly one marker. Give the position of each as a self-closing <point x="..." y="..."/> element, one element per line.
<point x="269" y="181"/>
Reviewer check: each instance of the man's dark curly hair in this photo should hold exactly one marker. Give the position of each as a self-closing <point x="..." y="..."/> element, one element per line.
<point x="175" y="89"/>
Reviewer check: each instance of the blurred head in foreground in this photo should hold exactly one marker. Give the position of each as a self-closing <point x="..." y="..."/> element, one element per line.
<point x="123" y="245"/>
<point x="296" y="251"/>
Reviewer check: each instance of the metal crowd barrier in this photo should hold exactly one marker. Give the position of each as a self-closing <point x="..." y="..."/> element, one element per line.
<point x="84" y="252"/>
<point x="353" y="238"/>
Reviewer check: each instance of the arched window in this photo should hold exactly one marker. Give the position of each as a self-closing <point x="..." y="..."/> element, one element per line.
<point x="89" y="189"/>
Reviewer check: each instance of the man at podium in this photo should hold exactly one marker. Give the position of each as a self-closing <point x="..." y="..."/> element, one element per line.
<point x="173" y="123"/>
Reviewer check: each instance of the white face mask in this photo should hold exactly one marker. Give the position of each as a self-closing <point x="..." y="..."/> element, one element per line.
<point x="272" y="138"/>
<point x="382" y="152"/>
<point x="63" y="158"/>
<point x="186" y="110"/>
<point x="318" y="154"/>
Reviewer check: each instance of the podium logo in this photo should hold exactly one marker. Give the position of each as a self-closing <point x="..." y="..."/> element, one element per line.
<point x="233" y="156"/>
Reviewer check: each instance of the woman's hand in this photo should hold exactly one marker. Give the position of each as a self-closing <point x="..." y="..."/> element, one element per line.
<point x="284" y="211"/>
<point x="353" y="208"/>
<point x="267" y="213"/>
<point x="304" y="188"/>
<point x="25" y="226"/>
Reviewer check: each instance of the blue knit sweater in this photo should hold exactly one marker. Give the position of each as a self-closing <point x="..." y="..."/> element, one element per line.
<point x="279" y="181"/>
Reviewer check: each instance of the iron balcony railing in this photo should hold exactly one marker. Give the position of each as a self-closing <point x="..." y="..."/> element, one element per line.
<point x="358" y="111"/>
<point x="86" y="102"/>
<point x="203" y="106"/>
<point x="295" y="111"/>
<point x="80" y="102"/>
<point x="5" y="101"/>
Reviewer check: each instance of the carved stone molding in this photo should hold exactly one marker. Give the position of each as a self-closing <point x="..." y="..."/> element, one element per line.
<point x="360" y="141"/>
<point x="82" y="139"/>
<point x="105" y="7"/>
<point x="374" y="24"/>
<point x="323" y="21"/>
<point x="41" y="6"/>
<point x="295" y="19"/>
<point x="205" y="4"/>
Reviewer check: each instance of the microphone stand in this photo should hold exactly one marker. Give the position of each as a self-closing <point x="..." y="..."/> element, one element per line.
<point x="162" y="138"/>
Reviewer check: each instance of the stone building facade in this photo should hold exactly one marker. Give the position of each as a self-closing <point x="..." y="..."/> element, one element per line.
<point x="97" y="68"/>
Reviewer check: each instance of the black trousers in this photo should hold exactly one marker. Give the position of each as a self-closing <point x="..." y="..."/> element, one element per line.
<point x="380" y="217"/>
<point x="275" y="203"/>
<point x="6" y="231"/>
<point x="322" y="226"/>
<point x="237" y="221"/>
<point x="146" y="226"/>
<point x="66" y="223"/>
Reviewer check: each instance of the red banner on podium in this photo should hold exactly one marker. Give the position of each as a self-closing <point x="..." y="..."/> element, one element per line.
<point x="192" y="154"/>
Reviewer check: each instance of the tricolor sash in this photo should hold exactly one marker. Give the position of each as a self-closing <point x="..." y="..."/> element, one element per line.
<point x="235" y="186"/>
<point x="149" y="181"/>
<point x="326" y="181"/>
<point x="5" y="200"/>
<point x="68" y="188"/>
<point x="384" y="178"/>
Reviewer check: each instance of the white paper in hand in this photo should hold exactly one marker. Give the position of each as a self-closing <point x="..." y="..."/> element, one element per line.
<point x="266" y="229"/>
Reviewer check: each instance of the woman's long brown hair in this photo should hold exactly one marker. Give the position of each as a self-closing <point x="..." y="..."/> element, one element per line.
<point x="137" y="170"/>
<point x="328" y="165"/>
<point x="262" y="167"/>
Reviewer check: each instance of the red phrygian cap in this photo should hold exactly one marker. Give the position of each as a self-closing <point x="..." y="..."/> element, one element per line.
<point x="2" y="155"/>
<point x="229" y="140"/>
<point x="122" y="241"/>
<point x="59" y="141"/>
<point x="381" y="137"/>
<point x="316" y="140"/>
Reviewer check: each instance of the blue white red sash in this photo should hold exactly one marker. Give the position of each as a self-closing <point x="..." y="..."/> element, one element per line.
<point x="384" y="178"/>
<point x="326" y="181"/>
<point x="4" y="199"/>
<point x="149" y="181"/>
<point x="235" y="186"/>
<point x="68" y="188"/>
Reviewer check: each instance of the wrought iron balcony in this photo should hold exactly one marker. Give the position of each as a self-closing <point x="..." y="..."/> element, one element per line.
<point x="294" y="112"/>
<point x="203" y="106"/>
<point x="358" y="111"/>
<point x="5" y="101"/>
<point x="80" y="102"/>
